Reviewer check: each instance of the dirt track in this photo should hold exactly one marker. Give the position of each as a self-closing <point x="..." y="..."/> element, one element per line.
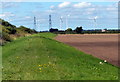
<point x="103" y="46"/>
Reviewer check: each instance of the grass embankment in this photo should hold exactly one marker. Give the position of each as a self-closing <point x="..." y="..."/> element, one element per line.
<point x="39" y="57"/>
<point x="9" y="32"/>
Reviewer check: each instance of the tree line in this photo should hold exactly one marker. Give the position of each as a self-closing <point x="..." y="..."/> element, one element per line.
<point x="80" y="30"/>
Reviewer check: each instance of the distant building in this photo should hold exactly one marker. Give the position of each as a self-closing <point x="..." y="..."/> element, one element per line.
<point x="104" y="30"/>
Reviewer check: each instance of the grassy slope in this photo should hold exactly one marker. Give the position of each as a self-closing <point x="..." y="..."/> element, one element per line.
<point x="39" y="57"/>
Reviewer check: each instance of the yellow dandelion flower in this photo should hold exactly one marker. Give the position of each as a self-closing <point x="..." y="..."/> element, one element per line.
<point x="40" y="71"/>
<point x="40" y="68"/>
<point x="40" y="65"/>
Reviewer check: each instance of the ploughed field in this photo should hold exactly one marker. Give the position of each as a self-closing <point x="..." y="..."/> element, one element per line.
<point x="103" y="46"/>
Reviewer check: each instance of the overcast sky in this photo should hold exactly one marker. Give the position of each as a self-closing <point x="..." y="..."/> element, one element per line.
<point x="90" y="15"/>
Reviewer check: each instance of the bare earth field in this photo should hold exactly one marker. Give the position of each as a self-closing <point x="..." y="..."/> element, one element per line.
<point x="102" y="46"/>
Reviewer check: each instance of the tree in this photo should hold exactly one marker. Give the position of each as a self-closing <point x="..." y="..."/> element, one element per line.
<point x="79" y="30"/>
<point x="69" y="30"/>
<point x="53" y="30"/>
<point x="6" y="36"/>
<point x="11" y="30"/>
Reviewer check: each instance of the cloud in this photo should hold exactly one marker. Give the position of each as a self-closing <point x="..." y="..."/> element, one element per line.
<point x="2" y="15"/>
<point x="6" y="14"/>
<point x="64" y="4"/>
<point x="90" y="10"/>
<point x="59" y="0"/>
<point x="50" y="11"/>
<point x="82" y="5"/>
<point x="27" y="17"/>
<point x="111" y="0"/>
<point x="111" y="9"/>
<point x="14" y="0"/>
<point x="52" y="6"/>
<point x="7" y="5"/>
<point x="83" y="9"/>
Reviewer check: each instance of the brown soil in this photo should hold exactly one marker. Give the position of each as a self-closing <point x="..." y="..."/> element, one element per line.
<point x="103" y="46"/>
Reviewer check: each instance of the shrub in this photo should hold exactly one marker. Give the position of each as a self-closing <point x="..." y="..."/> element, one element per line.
<point x="11" y="30"/>
<point x="27" y="30"/>
<point x="69" y="30"/>
<point x="5" y="36"/>
<point x="78" y="30"/>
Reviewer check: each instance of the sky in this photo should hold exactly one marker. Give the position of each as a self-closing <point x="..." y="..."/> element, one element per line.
<point x="89" y="15"/>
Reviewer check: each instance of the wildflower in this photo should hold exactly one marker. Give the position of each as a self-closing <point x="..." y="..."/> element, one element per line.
<point x="100" y="63"/>
<point x="40" y="65"/>
<point x="40" y="68"/>
<point x="105" y="60"/>
<point x="49" y="62"/>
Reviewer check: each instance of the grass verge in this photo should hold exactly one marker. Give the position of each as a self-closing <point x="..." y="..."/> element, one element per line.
<point x="39" y="57"/>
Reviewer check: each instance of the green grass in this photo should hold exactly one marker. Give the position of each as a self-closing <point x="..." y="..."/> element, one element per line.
<point x="39" y="57"/>
<point x="0" y="63"/>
